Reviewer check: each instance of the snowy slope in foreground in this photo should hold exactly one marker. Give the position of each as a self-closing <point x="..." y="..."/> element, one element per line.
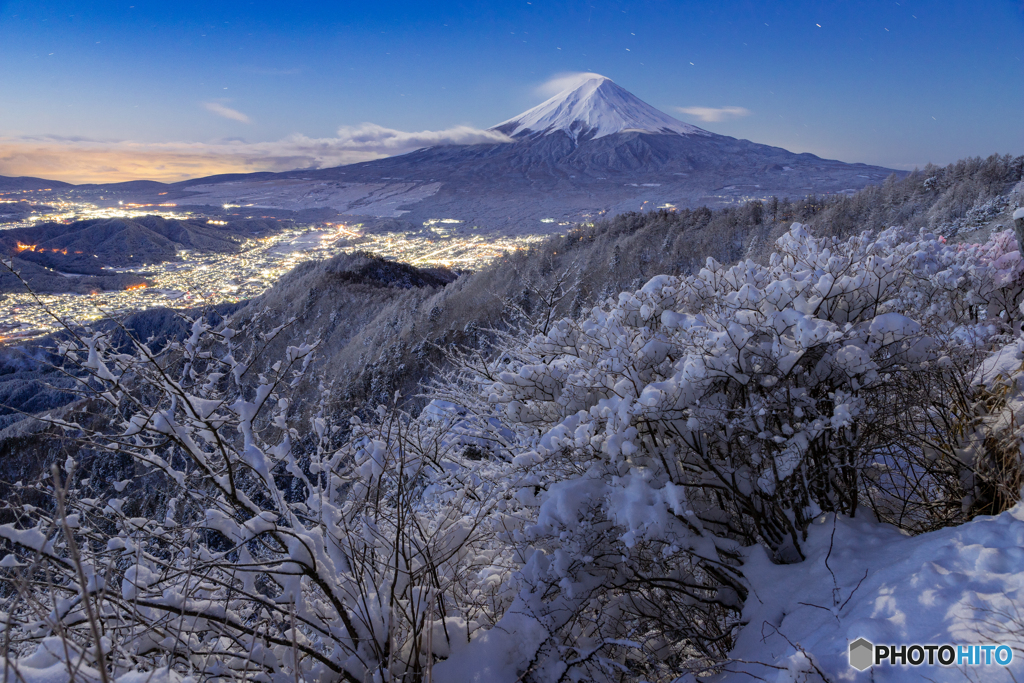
<point x="595" y="108"/>
<point x="962" y="585"/>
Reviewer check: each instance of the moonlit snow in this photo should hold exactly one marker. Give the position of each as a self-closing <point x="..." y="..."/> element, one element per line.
<point x="594" y="109"/>
<point x="962" y="585"/>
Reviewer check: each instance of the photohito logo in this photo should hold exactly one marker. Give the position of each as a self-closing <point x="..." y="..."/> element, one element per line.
<point x="864" y="653"/>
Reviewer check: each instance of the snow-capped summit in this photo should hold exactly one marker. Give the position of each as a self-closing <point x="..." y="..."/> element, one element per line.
<point x="593" y="109"/>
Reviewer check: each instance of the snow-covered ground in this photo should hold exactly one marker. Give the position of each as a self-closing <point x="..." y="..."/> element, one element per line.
<point x="961" y="586"/>
<point x="861" y="579"/>
<point x="595" y="107"/>
<point x="535" y="565"/>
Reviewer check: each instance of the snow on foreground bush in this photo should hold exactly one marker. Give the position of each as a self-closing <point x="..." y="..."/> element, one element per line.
<point x="586" y="505"/>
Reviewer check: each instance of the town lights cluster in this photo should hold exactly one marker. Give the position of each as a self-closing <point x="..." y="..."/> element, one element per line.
<point x="197" y="278"/>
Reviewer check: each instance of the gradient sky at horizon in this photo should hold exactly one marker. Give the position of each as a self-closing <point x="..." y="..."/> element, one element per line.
<point x="116" y="90"/>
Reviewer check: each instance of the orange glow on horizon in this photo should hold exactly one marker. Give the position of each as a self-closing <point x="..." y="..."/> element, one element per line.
<point x="169" y="162"/>
<point x="134" y="287"/>
<point x="76" y="164"/>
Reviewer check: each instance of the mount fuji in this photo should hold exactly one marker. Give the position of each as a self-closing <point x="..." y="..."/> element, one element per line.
<point x="595" y="108"/>
<point x="590" y="150"/>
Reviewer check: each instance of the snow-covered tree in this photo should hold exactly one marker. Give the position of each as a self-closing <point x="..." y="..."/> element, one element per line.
<point x="574" y="505"/>
<point x="265" y="561"/>
<point x="702" y="414"/>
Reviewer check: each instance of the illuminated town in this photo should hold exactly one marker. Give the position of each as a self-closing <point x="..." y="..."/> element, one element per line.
<point x="198" y="279"/>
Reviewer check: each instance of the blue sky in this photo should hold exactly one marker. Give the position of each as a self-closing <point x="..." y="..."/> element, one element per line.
<point x="111" y="90"/>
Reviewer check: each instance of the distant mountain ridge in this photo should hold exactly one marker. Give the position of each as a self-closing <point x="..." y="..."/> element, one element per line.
<point x="14" y="183"/>
<point x="591" y="150"/>
<point x="87" y="245"/>
<point x="78" y="256"/>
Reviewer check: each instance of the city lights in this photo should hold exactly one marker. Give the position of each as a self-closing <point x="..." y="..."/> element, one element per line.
<point x="203" y="278"/>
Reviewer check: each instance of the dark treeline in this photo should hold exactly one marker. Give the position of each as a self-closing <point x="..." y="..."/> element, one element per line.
<point x="947" y="200"/>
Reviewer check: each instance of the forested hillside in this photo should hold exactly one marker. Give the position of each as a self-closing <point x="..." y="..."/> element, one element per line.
<point x="393" y="346"/>
<point x="672" y="446"/>
<point x="379" y="335"/>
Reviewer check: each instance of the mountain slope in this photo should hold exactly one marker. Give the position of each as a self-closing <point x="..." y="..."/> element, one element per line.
<point x="513" y="187"/>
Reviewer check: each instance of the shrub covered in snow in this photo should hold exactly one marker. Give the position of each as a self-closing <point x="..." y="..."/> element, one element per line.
<point x="582" y="505"/>
<point x="703" y="414"/>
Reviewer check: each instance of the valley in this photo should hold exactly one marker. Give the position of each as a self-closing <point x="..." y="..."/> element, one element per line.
<point x="201" y="277"/>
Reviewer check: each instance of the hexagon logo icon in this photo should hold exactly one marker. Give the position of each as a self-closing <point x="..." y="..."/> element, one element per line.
<point x="862" y="654"/>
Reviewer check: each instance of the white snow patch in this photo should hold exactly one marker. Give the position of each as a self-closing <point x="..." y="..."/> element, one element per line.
<point x="960" y="586"/>
<point x="595" y="108"/>
<point x="495" y="656"/>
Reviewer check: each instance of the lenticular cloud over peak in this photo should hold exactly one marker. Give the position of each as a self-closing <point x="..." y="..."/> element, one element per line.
<point x="566" y="81"/>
